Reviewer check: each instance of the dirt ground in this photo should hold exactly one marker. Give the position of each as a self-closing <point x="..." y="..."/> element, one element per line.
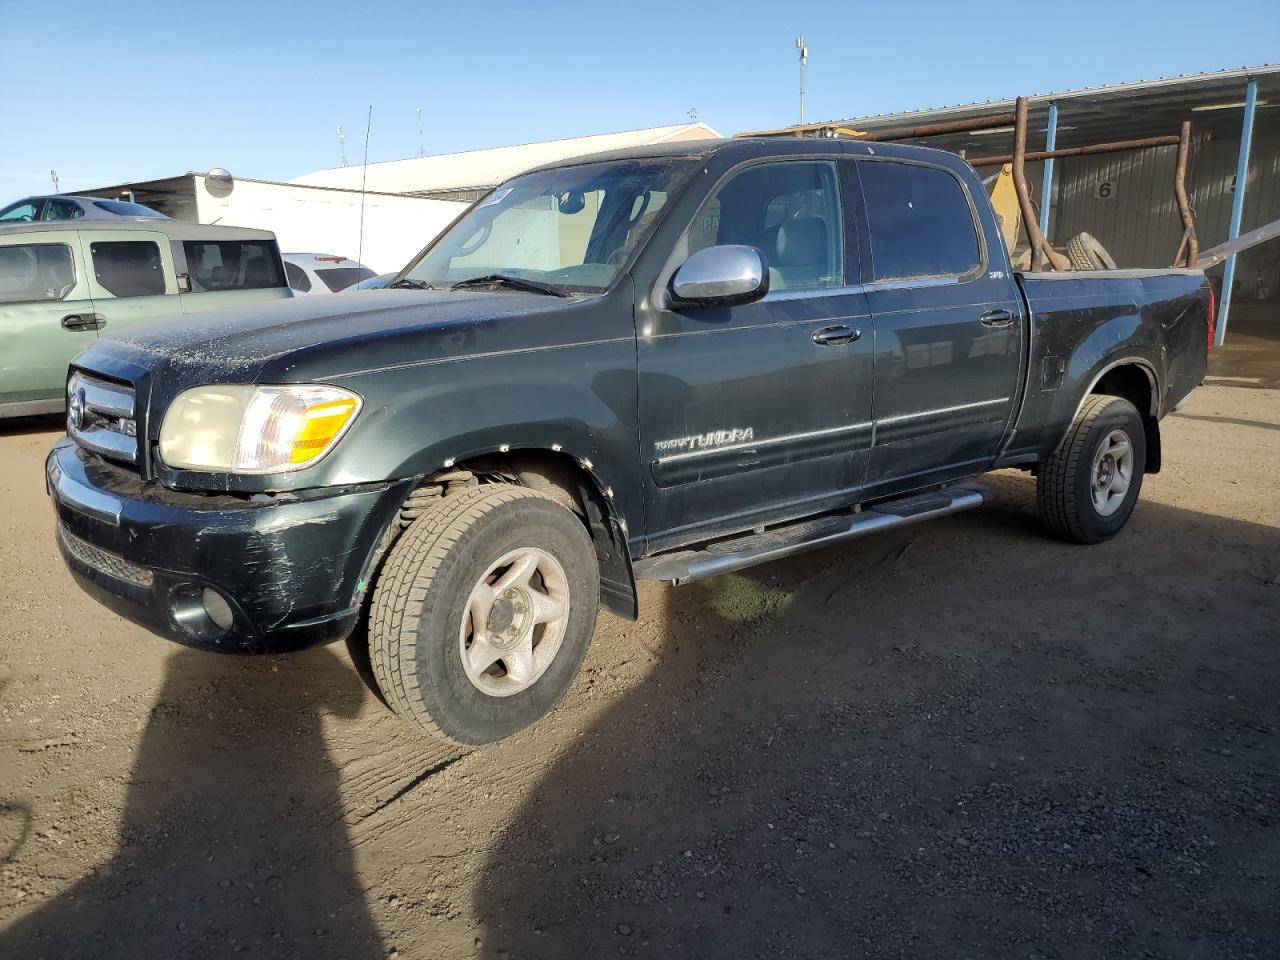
<point x="960" y="740"/>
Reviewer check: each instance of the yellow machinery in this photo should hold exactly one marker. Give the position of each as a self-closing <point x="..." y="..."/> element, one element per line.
<point x="1004" y="198"/>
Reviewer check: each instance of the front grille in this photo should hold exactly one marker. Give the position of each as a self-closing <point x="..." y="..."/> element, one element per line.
<point x="101" y="416"/>
<point x="103" y="561"/>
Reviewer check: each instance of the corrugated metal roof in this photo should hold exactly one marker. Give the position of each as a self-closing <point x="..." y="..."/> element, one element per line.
<point x="1192" y="81"/>
<point x="485" y="168"/>
<point x="1099" y="114"/>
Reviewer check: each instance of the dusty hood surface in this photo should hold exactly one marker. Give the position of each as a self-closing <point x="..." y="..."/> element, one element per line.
<point x="264" y="331"/>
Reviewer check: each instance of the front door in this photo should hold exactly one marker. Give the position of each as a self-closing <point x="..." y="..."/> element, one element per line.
<point x="750" y="413"/>
<point x="132" y="276"/>
<point x="46" y="314"/>
<point x="948" y="329"/>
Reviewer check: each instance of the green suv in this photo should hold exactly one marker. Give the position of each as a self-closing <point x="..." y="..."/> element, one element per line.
<point x="64" y="284"/>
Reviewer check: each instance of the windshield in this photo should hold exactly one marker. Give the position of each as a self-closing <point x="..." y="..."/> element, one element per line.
<point x="570" y="228"/>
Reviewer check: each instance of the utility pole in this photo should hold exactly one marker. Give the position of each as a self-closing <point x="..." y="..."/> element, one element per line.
<point x="804" y="58"/>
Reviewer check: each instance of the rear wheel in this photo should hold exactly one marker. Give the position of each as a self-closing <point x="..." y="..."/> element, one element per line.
<point x="1087" y="490"/>
<point x="483" y="613"/>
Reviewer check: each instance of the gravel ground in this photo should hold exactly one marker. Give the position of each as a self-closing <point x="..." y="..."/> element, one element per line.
<point x="959" y="740"/>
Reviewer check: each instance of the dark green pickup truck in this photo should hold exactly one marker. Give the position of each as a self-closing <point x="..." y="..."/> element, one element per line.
<point x="666" y="363"/>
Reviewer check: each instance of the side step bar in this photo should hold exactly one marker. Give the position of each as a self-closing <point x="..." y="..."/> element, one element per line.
<point x="725" y="556"/>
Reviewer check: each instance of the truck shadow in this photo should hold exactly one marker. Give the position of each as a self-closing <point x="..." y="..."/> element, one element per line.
<point x="21" y="426"/>
<point x="232" y="838"/>
<point x="961" y="739"/>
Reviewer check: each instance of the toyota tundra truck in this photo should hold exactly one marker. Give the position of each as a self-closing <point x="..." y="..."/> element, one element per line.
<point x="665" y="363"/>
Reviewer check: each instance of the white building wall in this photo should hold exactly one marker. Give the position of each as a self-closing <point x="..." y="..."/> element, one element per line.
<point x="315" y="220"/>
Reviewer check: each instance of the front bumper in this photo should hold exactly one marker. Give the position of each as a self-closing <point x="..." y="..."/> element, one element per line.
<point x="291" y="569"/>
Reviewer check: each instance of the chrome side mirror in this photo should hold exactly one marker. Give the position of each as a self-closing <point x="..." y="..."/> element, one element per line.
<point x="720" y="276"/>
<point x="184" y="283"/>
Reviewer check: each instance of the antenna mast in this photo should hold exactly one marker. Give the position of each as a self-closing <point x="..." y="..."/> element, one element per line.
<point x="342" y="146"/>
<point x="364" y="174"/>
<point x="422" y="151"/>
<point x="803" y="51"/>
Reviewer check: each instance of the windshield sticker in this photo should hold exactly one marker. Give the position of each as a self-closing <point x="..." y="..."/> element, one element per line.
<point x="496" y="197"/>
<point x="706" y="441"/>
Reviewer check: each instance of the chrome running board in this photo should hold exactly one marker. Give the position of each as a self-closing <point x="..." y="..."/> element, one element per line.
<point x="725" y="556"/>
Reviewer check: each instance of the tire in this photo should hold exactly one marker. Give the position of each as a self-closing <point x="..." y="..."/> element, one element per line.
<point x="1067" y="492"/>
<point x="421" y="627"/>
<point x="1086" y="253"/>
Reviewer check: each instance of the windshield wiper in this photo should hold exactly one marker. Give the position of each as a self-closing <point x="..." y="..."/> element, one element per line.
<point x="512" y="283"/>
<point x="411" y="284"/>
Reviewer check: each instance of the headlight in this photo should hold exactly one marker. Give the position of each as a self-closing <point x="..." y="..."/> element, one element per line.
<point x="247" y="429"/>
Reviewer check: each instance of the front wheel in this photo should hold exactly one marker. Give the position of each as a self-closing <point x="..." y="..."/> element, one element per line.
<point x="483" y="613"/>
<point x="1086" y="491"/>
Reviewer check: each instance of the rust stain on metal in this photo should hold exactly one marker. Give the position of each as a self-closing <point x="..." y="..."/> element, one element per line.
<point x="1115" y="146"/>
<point x="1189" y="247"/>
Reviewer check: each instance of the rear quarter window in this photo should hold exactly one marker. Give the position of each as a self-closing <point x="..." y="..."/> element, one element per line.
<point x="36" y="271"/>
<point x="920" y="221"/>
<point x="339" y="278"/>
<point x="128" y="268"/>
<point x="233" y="265"/>
<point x="298" y="278"/>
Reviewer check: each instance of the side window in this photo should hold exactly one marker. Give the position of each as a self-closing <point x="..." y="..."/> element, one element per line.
<point x="920" y="221"/>
<point x="232" y="265"/>
<point x="298" y="278"/>
<point x="61" y="210"/>
<point x="36" y="271"/>
<point x="128" y="268"/>
<point x="23" y="212"/>
<point x="790" y="212"/>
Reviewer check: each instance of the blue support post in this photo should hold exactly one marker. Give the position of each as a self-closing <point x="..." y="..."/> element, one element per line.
<point x="1046" y="186"/>
<point x="1237" y="205"/>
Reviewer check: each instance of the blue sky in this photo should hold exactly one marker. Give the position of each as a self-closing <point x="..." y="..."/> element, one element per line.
<point x="141" y="89"/>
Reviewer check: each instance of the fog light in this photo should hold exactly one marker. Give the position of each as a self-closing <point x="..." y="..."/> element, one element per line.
<point x="217" y="608"/>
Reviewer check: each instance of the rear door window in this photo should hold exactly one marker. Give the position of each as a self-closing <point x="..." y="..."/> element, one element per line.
<point x="61" y="210"/>
<point x="233" y="265"/>
<point x="128" y="268"/>
<point x="920" y="221"/>
<point x="36" y="271"/>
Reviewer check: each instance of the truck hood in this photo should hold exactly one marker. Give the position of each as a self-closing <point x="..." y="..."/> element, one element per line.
<point x="326" y="336"/>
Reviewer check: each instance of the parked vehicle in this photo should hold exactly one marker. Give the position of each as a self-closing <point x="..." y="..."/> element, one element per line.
<point x="310" y="273"/>
<point x="61" y="284"/>
<point x="664" y="363"/>
<point x="62" y="207"/>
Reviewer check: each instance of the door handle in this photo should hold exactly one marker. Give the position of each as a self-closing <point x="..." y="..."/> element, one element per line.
<point x="996" y="318"/>
<point x="83" y="321"/>
<point x="833" y="336"/>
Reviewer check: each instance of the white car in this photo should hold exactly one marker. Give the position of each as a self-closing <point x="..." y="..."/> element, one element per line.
<point x="310" y="273"/>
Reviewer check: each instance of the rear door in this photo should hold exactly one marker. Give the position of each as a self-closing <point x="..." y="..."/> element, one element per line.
<point x="132" y="276"/>
<point x="754" y="411"/>
<point x="948" y="328"/>
<point x="46" y="313"/>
